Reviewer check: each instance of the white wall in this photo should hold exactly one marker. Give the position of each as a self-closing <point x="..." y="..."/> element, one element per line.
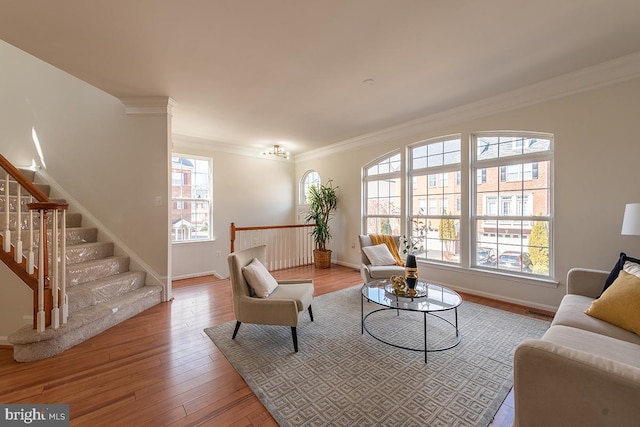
<point x="112" y="163"/>
<point x="248" y="191"/>
<point x="596" y="174"/>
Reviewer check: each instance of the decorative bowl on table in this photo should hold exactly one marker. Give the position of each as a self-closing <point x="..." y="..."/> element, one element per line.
<point x="418" y="292"/>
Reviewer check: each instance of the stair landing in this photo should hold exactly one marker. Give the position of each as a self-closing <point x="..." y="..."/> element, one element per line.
<point x="30" y="345"/>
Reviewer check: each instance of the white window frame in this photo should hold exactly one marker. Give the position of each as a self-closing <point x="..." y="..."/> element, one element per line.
<point x="519" y="162"/>
<point x="198" y="202"/>
<point x="384" y="174"/>
<point x="474" y="171"/>
<point x="436" y="170"/>
<point x="308" y="180"/>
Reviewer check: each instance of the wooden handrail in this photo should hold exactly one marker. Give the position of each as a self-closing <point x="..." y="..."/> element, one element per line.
<point x="260" y="227"/>
<point x="48" y="206"/>
<point x="267" y="227"/>
<point x="22" y="180"/>
<point x="48" y="292"/>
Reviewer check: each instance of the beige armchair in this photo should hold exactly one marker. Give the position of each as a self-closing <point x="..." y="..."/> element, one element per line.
<point x="371" y="272"/>
<point x="284" y="306"/>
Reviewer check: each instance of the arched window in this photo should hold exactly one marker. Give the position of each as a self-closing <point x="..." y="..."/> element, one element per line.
<point x="491" y="209"/>
<point x="309" y="179"/>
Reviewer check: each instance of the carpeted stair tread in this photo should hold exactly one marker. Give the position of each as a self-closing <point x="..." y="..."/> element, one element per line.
<point x="28" y="173"/>
<point x="88" y="251"/>
<point x="96" y="269"/>
<point x="75" y="235"/>
<point x="102" y="290"/>
<point x="30" y="345"/>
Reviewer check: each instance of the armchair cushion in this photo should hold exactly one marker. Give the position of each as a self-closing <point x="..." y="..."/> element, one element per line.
<point x="300" y="292"/>
<point x="383" y="271"/>
<point x="259" y="278"/>
<point x="379" y="255"/>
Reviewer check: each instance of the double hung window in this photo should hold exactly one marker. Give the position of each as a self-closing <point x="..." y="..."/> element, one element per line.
<point x="512" y="210"/>
<point x="435" y="199"/>
<point x="383" y="196"/>
<point x="191" y="183"/>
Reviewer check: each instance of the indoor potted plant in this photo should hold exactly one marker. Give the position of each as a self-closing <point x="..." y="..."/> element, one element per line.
<point x="322" y="202"/>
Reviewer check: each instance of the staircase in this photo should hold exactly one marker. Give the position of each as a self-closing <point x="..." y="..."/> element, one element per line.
<point x="100" y="288"/>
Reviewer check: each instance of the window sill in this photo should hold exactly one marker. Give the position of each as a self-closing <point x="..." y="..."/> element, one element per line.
<point x="192" y="242"/>
<point x="500" y="275"/>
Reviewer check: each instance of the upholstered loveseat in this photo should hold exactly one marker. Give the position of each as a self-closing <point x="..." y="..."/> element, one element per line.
<point x="583" y="371"/>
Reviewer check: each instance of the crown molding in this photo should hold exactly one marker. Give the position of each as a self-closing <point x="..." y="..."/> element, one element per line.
<point x="148" y="104"/>
<point x="603" y="74"/>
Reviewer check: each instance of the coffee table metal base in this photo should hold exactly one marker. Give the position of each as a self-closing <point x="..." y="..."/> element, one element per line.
<point x="424" y="325"/>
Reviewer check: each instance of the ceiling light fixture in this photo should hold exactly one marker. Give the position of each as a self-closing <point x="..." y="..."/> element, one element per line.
<point x="277" y="151"/>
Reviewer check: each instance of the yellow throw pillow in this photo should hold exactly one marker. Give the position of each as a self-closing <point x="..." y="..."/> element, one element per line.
<point x="620" y="303"/>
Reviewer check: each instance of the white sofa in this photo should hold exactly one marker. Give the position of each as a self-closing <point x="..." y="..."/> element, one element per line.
<point x="583" y="371"/>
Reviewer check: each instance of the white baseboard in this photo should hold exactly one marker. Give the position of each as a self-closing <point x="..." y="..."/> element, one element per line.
<point x="201" y="274"/>
<point x="348" y="264"/>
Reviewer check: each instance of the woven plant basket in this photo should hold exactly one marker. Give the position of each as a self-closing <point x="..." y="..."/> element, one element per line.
<point x="322" y="259"/>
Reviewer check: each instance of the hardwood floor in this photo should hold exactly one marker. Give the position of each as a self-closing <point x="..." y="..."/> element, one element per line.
<point x="159" y="368"/>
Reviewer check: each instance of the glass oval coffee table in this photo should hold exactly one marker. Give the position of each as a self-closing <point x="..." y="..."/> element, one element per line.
<point x="428" y="299"/>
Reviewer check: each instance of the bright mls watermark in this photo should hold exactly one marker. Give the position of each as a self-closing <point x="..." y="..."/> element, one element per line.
<point x="35" y="415"/>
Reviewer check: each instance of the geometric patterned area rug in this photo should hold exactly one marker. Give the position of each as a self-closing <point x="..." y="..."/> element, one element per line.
<point x="341" y="377"/>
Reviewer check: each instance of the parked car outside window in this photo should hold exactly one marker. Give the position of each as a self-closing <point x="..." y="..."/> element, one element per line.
<point x="516" y="261"/>
<point x="485" y="257"/>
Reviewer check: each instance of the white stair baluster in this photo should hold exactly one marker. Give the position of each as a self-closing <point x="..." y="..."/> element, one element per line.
<point x="31" y="254"/>
<point x="40" y="321"/>
<point x="53" y="276"/>
<point x="63" y="268"/>
<point x="18" y="247"/>
<point x="7" y="232"/>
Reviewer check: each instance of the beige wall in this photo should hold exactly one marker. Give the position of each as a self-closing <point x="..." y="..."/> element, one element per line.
<point x="112" y="163"/>
<point x="86" y="133"/>
<point x="247" y="191"/>
<point x="16" y="304"/>
<point x="596" y="173"/>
